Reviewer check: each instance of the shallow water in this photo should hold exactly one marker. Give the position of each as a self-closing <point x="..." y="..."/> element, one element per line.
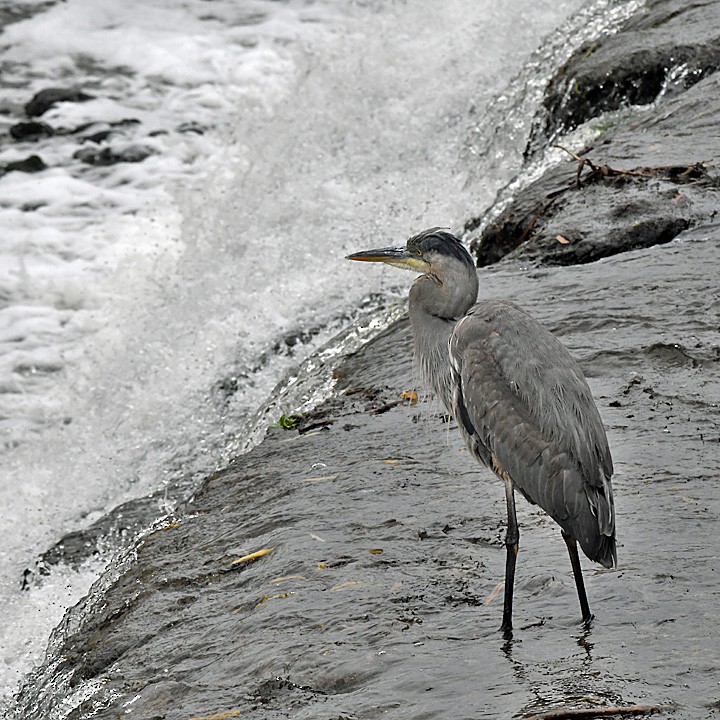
<point x="378" y="598"/>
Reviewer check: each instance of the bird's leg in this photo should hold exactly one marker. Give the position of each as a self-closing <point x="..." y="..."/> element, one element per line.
<point x="512" y="539"/>
<point x="577" y="572"/>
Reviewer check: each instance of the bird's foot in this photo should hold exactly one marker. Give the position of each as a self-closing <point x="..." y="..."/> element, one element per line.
<point x="587" y="621"/>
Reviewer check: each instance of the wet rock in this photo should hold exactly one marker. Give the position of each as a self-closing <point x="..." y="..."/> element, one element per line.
<point x="650" y="185"/>
<point x="665" y="48"/>
<point x="113" y="530"/>
<point x="42" y="101"/>
<point x="323" y="620"/>
<point x="111" y="156"/>
<point x="31" y="164"/>
<point x="125" y="123"/>
<point x="16" y="12"/>
<point x="94" y="132"/>
<point x="98" y="132"/>
<point x="191" y="126"/>
<point x="30" y="131"/>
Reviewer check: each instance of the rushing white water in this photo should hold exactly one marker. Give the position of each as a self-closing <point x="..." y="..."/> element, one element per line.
<point x="147" y="308"/>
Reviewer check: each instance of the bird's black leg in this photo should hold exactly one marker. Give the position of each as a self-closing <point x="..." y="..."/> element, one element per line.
<point x="577" y="572"/>
<point x="512" y="539"/>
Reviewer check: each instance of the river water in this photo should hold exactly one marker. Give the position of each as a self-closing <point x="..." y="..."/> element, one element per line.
<point x="146" y="309"/>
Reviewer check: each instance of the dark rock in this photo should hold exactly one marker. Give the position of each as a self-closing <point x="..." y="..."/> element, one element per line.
<point x="114" y="529"/>
<point x="666" y="48"/>
<point x="112" y="156"/>
<point x="125" y="123"/>
<point x="30" y="131"/>
<point x="97" y="132"/>
<point x="30" y="164"/>
<point x="191" y="127"/>
<point x="556" y="221"/>
<point x="94" y="132"/>
<point x="45" y="99"/>
<point x="15" y="12"/>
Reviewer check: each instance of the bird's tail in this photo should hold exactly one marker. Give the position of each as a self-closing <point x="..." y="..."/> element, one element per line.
<point x="606" y="553"/>
<point x="600" y="542"/>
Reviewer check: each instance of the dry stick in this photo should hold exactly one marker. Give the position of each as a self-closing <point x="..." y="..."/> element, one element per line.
<point x="581" y="161"/>
<point x="594" y="712"/>
<point x="608" y="171"/>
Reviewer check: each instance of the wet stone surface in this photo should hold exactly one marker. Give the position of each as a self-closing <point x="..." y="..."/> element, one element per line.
<point x="664" y="49"/>
<point x="674" y="183"/>
<point x="377" y="599"/>
<point x="660" y="172"/>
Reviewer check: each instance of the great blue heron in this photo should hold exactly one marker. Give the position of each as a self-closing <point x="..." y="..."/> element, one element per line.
<point x="520" y="399"/>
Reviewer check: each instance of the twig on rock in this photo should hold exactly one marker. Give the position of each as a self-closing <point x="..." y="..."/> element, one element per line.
<point x="563" y="713"/>
<point x="683" y="174"/>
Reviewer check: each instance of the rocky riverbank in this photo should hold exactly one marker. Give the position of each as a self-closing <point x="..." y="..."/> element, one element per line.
<point x="347" y="568"/>
<point x="651" y="169"/>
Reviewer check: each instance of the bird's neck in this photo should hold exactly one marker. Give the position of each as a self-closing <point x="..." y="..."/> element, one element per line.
<point x="434" y="311"/>
<point x="431" y="352"/>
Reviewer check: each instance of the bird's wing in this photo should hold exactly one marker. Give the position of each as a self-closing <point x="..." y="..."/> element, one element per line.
<point x="526" y="409"/>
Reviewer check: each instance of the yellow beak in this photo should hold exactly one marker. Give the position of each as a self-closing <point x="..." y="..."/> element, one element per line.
<point x="395" y="256"/>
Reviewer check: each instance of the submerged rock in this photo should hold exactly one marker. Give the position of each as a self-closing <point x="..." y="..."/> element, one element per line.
<point x="94" y="132"/>
<point x="30" y="131"/>
<point x="112" y="155"/>
<point x="31" y="164"/>
<point x="42" y="101"/>
<point x="191" y="126"/>
<point x="114" y="530"/>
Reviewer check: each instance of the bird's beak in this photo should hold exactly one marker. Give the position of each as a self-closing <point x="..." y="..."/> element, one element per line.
<point x="396" y="256"/>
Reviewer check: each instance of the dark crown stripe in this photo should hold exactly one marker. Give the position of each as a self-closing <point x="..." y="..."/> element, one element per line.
<point x="442" y="242"/>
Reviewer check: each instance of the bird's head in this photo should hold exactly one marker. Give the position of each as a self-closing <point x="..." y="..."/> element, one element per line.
<point x="432" y="252"/>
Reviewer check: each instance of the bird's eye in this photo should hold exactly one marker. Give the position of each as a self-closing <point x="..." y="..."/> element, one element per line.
<point x="419" y="253"/>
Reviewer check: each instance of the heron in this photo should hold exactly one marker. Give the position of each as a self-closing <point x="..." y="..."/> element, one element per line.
<point x="520" y="400"/>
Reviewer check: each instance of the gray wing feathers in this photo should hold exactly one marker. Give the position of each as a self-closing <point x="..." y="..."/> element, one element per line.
<point x="524" y="405"/>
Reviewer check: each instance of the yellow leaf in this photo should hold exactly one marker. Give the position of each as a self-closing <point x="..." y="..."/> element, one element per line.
<point x="287" y="577"/>
<point x="562" y="239"/>
<point x="344" y="585"/>
<point x="251" y="556"/>
<point x="495" y="591"/>
<point x="279" y="596"/>
<point x="321" y="566"/>
<point x="219" y="716"/>
<point x="391" y="462"/>
<point x="410" y="395"/>
<point x="375" y="551"/>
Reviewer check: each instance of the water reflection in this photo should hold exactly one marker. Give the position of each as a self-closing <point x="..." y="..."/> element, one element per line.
<point x="555" y="675"/>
